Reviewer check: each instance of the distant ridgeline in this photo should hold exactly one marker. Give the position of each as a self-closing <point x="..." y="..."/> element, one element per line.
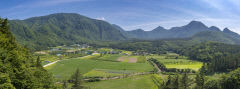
<point x="194" y="30"/>
<point x="70" y="28"/>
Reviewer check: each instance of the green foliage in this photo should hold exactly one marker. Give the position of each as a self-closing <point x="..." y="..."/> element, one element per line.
<point x="219" y="57"/>
<point x="185" y="81"/>
<point x="77" y="80"/>
<point x="200" y="80"/>
<point x="231" y="80"/>
<point x="17" y="67"/>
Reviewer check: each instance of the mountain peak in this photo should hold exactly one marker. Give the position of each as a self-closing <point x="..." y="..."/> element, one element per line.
<point x="214" y="28"/>
<point x="226" y="30"/>
<point x="196" y="23"/>
<point x="139" y="30"/>
<point x="159" y="28"/>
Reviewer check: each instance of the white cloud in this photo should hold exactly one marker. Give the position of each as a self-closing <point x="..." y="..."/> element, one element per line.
<point x="56" y="2"/>
<point x="101" y="18"/>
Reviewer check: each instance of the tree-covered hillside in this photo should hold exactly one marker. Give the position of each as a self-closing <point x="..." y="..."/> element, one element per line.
<point x="18" y="69"/>
<point x="62" y="28"/>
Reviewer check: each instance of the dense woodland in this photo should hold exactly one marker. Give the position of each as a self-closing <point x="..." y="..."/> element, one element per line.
<point x="18" y="69"/>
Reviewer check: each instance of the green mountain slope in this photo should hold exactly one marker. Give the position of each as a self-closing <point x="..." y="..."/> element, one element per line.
<point x="62" y="28"/>
<point x="216" y="36"/>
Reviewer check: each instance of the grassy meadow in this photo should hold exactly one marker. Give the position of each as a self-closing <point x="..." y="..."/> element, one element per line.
<point x="135" y="82"/>
<point x="65" y="68"/>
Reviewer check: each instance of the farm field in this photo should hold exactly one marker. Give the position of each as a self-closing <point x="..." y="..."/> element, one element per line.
<point x="65" y="68"/>
<point x="181" y="63"/>
<point x="109" y="57"/>
<point x="135" y="82"/>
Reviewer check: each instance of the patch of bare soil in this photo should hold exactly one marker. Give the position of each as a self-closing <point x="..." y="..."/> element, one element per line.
<point x="132" y="60"/>
<point x="121" y="59"/>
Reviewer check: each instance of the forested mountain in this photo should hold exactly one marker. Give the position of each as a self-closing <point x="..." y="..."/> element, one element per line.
<point x="69" y="28"/>
<point x="18" y="69"/>
<point x="62" y="28"/>
<point x="193" y="29"/>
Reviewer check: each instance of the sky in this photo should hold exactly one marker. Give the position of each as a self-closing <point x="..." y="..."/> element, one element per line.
<point x="133" y="14"/>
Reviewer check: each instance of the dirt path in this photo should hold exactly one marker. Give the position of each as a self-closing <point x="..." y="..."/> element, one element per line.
<point x="132" y="60"/>
<point x="51" y="63"/>
<point x="121" y="59"/>
<point x="60" y="60"/>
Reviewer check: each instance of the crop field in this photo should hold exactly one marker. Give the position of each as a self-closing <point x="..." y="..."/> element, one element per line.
<point x="65" y="68"/>
<point x="101" y="73"/>
<point x="129" y="59"/>
<point x="141" y="59"/>
<point x="109" y="57"/>
<point x="181" y="63"/>
<point x="135" y="82"/>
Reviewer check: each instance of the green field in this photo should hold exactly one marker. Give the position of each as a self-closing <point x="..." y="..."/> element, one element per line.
<point x="179" y="63"/>
<point x="135" y="82"/>
<point x="109" y="57"/>
<point x="65" y="68"/>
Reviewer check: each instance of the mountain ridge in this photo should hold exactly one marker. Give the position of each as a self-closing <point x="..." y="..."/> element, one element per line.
<point x="62" y="28"/>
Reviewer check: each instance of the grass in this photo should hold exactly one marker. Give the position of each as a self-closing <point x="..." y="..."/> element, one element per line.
<point x="94" y="56"/>
<point x="141" y="59"/>
<point x="135" y="82"/>
<point x="65" y="68"/>
<point x="109" y="57"/>
<point x="179" y="63"/>
<point x="100" y="73"/>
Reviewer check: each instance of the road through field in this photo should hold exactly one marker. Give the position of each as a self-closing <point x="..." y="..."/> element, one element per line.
<point x="59" y="60"/>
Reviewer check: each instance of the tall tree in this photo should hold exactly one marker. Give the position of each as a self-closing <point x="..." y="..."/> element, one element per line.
<point x="200" y="80"/>
<point x="176" y="82"/>
<point x="38" y="62"/>
<point x="77" y="80"/>
<point x="185" y="83"/>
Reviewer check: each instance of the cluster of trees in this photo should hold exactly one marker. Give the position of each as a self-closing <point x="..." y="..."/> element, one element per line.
<point x="176" y="82"/>
<point x="200" y="81"/>
<point x="217" y="56"/>
<point x="18" y="69"/>
<point x="76" y="79"/>
<point x="160" y="65"/>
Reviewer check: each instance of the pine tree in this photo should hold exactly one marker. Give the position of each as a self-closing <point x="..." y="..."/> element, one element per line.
<point x="176" y="82"/>
<point x="77" y="80"/>
<point x="168" y="83"/>
<point x="38" y="62"/>
<point x="185" y="81"/>
<point x="200" y="80"/>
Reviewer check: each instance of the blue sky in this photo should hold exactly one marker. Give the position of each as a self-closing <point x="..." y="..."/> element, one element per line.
<point x="133" y="14"/>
